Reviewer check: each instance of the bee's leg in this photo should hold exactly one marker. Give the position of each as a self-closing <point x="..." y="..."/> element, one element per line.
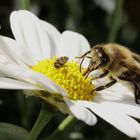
<point x="137" y="91"/>
<point x="83" y="61"/>
<point x="105" y="72"/>
<point x="87" y="72"/>
<point x="132" y="77"/>
<point x="91" y="68"/>
<point x="137" y="94"/>
<point x="113" y="81"/>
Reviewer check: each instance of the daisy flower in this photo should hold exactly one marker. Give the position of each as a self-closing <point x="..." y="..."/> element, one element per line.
<point x="28" y="63"/>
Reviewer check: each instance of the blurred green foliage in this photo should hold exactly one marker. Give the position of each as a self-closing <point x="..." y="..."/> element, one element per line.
<point x="89" y="19"/>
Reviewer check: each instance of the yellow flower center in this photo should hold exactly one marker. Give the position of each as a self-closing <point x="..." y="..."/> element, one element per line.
<point x="68" y="77"/>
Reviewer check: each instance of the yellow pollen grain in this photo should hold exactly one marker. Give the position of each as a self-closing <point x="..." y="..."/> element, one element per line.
<point x="68" y="77"/>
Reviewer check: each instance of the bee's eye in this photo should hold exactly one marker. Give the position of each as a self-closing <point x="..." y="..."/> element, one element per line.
<point x="105" y="59"/>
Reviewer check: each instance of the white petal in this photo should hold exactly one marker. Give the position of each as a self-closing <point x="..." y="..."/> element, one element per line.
<point x="80" y="112"/>
<point x="27" y="30"/>
<point x="46" y="83"/>
<point x="14" y="71"/>
<point x="53" y="35"/>
<point x="115" y="117"/>
<point x="11" y="51"/>
<point x="4" y="59"/>
<point x="6" y="83"/>
<point x="19" y="73"/>
<point x="128" y="109"/>
<point x="119" y="92"/>
<point x="72" y="44"/>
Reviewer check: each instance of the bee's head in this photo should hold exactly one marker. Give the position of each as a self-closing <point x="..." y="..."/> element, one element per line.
<point x="100" y="56"/>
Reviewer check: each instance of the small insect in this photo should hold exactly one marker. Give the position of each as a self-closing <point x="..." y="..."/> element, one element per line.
<point x="119" y="60"/>
<point x="60" y="62"/>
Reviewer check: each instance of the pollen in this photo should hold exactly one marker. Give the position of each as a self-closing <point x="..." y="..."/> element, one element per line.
<point x="68" y="77"/>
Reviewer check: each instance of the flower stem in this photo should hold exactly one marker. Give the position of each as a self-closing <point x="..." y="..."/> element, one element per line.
<point x="25" y="115"/>
<point x="44" y="117"/>
<point x="25" y="4"/>
<point x="116" y="20"/>
<point x="61" y="129"/>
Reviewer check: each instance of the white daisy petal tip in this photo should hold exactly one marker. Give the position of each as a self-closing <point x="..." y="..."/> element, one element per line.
<point x="118" y="115"/>
<point x="31" y="33"/>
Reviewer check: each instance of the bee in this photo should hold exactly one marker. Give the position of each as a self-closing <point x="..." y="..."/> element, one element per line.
<point x="60" y="62"/>
<point x="117" y="59"/>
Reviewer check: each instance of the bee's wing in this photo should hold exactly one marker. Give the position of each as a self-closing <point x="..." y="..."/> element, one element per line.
<point x="136" y="57"/>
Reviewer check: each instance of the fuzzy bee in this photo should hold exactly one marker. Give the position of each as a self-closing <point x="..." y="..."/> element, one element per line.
<point x="119" y="60"/>
<point x="60" y="62"/>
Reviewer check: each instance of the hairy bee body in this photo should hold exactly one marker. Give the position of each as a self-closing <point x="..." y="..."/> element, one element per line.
<point x="117" y="59"/>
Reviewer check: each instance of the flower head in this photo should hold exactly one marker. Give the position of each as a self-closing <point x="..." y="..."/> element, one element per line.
<point x="28" y="63"/>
